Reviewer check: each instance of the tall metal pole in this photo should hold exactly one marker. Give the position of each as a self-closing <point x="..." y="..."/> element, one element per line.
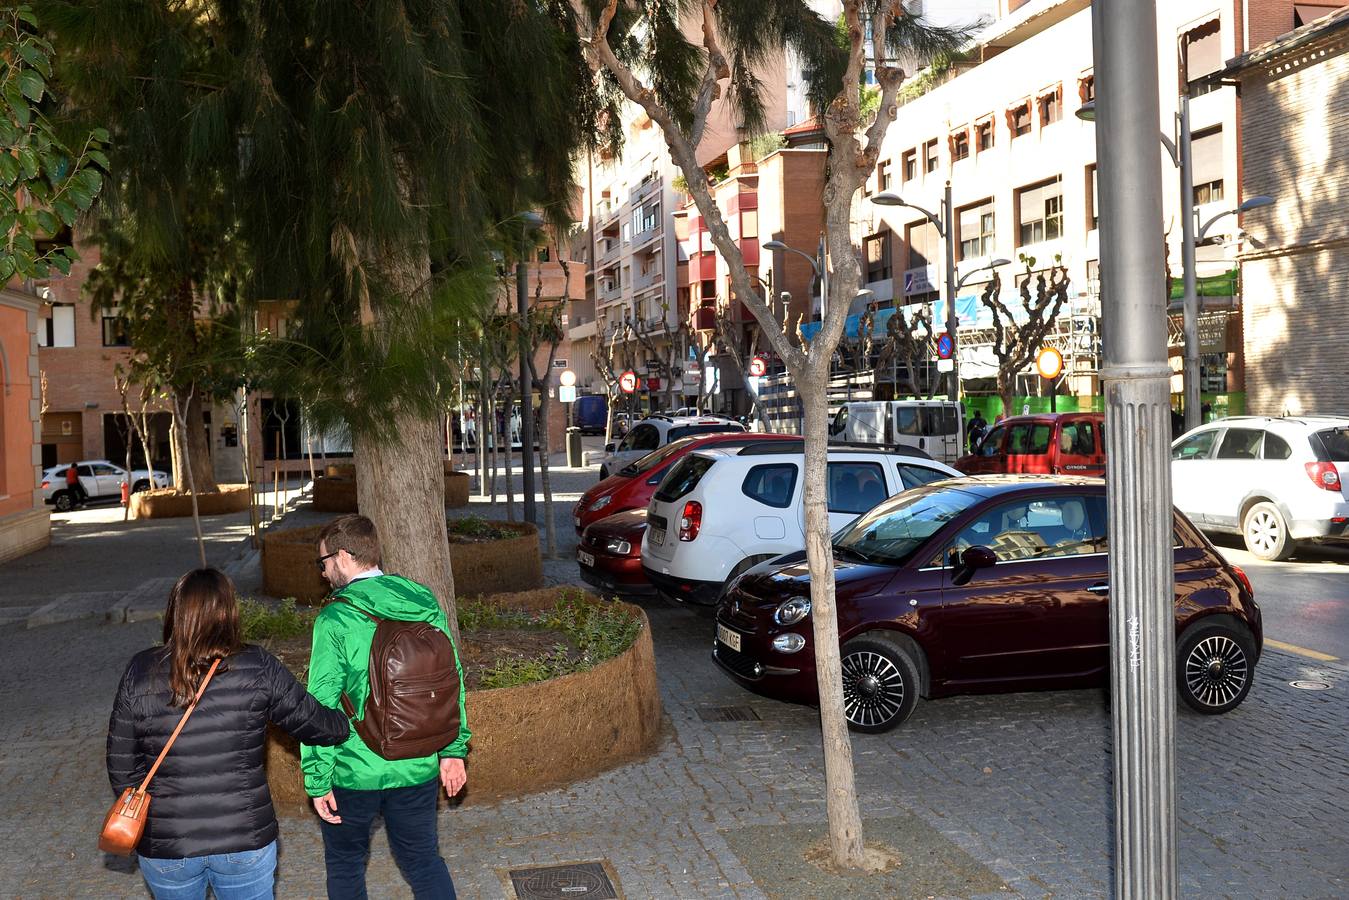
<point x="1191" y="308"/>
<point x="1138" y="482"/>
<point x="952" y="320"/>
<point x="822" y="253"/>
<point x="526" y="396"/>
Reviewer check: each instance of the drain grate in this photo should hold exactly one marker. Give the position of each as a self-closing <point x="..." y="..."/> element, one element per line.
<point x="1310" y="685"/>
<point x="588" y="879"/>
<point x="727" y="714"/>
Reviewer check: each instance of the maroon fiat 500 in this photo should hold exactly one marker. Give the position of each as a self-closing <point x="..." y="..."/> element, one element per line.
<point x="978" y="585"/>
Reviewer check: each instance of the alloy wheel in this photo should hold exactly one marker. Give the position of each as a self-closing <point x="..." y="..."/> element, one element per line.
<point x="873" y="688"/>
<point x="1216" y="670"/>
<point x="1264" y="530"/>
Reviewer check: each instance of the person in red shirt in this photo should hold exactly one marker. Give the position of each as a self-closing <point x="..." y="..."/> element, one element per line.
<point x="78" y="494"/>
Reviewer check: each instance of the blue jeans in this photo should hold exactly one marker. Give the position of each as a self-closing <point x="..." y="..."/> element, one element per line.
<point x="410" y="819"/>
<point x="248" y="875"/>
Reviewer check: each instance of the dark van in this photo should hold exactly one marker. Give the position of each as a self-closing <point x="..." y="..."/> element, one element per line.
<point x="589" y="413"/>
<point x="1048" y="444"/>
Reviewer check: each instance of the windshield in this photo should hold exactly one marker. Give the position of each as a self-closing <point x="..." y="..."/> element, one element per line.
<point x="891" y="533"/>
<point x="655" y="458"/>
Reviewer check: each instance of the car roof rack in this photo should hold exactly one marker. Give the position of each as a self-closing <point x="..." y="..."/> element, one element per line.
<point x="765" y="448"/>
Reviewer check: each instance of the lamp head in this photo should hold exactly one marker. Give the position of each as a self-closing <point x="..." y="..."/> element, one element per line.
<point x="999" y="262"/>
<point x="1255" y="203"/>
<point x="775" y="246"/>
<point x="1087" y="111"/>
<point x="888" y="198"/>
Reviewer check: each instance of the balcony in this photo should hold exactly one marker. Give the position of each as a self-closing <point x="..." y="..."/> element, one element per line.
<point x="703" y="267"/>
<point x="649" y="185"/>
<point x="580" y="330"/>
<point x="648" y="236"/>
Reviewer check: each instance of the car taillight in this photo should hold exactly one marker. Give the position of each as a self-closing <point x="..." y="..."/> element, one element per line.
<point x="1245" y="582"/>
<point x="690" y="520"/>
<point x="1324" y="474"/>
<point x="46" y="483"/>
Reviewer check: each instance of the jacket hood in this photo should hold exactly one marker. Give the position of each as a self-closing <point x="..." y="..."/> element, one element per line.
<point x="391" y="597"/>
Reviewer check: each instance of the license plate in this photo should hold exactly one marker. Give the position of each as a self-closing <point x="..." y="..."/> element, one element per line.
<point x="728" y="637"/>
<point x="657" y="535"/>
<point x="585" y="558"/>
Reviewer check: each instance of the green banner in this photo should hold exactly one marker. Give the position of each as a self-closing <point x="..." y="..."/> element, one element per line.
<point x="1221" y="285"/>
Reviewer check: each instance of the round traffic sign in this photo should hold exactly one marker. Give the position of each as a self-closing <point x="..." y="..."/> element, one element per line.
<point x="757" y="366"/>
<point x="567" y="378"/>
<point x="946" y="345"/>
<point x="1049" y="363"/>
<point x="627" y="382"/>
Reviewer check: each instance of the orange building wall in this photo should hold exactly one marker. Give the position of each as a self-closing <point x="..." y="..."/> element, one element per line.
<point x="18" y="473"/>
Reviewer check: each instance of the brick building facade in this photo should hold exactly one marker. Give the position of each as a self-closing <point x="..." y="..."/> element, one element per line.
<point x="1295" y="273"/>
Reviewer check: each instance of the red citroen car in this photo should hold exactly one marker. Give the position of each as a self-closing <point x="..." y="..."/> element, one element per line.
<point x="980" y="585"/>
<point x="610" y="554"/>
<point x="632" y="486"/>
<point x="1045" y="444"/>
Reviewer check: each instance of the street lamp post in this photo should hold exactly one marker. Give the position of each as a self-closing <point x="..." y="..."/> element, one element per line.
<point x="1180" y="151"/>
<point x="947" y="233"/>
<point x="818" y="265"/>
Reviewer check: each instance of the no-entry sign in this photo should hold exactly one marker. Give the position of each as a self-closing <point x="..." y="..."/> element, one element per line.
<point x="627" y="382"/>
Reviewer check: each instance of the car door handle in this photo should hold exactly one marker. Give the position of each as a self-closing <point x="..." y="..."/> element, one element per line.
<point x="1099" y="589"/>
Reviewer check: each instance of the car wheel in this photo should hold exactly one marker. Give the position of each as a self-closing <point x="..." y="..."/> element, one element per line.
<point x="1214" y="666"/>
<point x="1266" y="533"/>
<point x="63" y="501"/>
<point x="880" y="684"/>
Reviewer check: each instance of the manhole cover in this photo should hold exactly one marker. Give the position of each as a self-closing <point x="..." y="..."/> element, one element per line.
<point x="727" y="714"/>
<point x="588" y="880"/>
<point x="1311" y="685"/>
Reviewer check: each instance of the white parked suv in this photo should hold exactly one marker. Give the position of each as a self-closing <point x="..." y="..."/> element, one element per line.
<point x="1274" y="481"/>
<point x="721" y="511"/>
<point x="654" y="432"/>
<point x="100" y="479"/>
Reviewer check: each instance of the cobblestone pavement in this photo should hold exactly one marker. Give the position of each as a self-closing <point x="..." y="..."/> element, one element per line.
<point x="1018" y="785"/>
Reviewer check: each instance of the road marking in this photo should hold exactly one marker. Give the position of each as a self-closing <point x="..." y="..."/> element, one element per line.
<point x="1301" y="651"/>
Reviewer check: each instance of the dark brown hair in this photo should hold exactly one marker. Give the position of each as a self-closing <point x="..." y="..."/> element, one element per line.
<point x="355" y="534"/>
<point x="201" y="624"/>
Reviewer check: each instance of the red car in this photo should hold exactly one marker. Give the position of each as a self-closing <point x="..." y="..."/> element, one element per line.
<point x="981" y="585"/>
<point x="632" y="486"/>
<point x="1047" y="444"/>
<point x="610" y="554"/>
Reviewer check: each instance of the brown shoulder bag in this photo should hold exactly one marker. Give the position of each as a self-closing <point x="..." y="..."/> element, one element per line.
<point x="125" y="822"/>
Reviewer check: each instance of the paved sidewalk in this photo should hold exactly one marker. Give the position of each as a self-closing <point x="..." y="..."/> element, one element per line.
<point x="983" y="796"/>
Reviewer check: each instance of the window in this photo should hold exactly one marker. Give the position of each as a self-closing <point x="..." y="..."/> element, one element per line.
<point x="883" y="175"/>
<point x="909" y="164"/>
<point x="924" y="244"/>
<point x="930" y="156"/>
<point x="1275" y="447"/>
<point x="1018" y="119"/>
<point x="913" y="476"/>
<point x="855" y="487"/>
<point x="749" y="223"/>
<point x="1334" y="445"/>
<point x="1194" y="447"/>
<point x="1093" y="201"/>
<point x="1028" y="439"/>
<point x="1051" y="106"/>
<point x="1206" y="164"/>
<point x="975" y="224"/>
<point x="983" y="135"/>
<point x="1086" y="88"/>
<point x="1201" y="54"/>
<point x="1040" y="212"/>
<point x="59" y="330"/>
<point x="114" y="329"/>
<point x="877" y="249"/>
<point x="772" y="485"/>
<point x="1078" y="438"/>
<point x="960" y="145"/>
<point x="1055" y="526"/>
<point x="684" y="477"/>
<point x="1240" y="443"/>
<point x="991" y="445"/>
<point x="695" y="430"/>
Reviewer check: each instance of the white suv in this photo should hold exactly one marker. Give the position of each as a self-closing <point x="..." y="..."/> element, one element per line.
<point x="1274" y="481"/>
<point x="654" y="432"/>
<point x="721" y="511"/>
<point x="100" y="479"/>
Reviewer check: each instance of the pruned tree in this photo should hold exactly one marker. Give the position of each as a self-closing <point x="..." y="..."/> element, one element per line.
<point x="740" y="342"/>
<point x="545" y="330"/>
<point x="642" y="49"/>
<point x="1015" y="343"/>
<point x="907" y="342"/>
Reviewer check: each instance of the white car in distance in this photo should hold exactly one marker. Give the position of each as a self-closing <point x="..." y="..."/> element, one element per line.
<point x="101" y="480"/>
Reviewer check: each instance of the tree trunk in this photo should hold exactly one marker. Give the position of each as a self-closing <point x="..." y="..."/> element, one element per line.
<point x="550" y="530"/>
<point x="1006" y="386"/>
<point x="179" y="408"/>
<point x="400" y="485"/>
<point x="192" y="428"/>
<point x="845" y="820"/>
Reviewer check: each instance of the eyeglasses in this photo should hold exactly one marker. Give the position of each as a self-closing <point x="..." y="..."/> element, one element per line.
<point x="324" y="558"/>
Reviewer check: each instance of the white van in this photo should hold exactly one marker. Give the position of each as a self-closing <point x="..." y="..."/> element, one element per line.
<point x="937" y="427"/>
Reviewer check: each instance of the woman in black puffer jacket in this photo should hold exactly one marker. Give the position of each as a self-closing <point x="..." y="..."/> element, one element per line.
<point x="211" y="819"/>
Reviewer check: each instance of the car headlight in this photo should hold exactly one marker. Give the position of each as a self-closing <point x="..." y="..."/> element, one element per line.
<point x="792" y="611"/>
<point x="618" y="546"/>
<point x="601" y="503"/>
<point x="788" y="643"/>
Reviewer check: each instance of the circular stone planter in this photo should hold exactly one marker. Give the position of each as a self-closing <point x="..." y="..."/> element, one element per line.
<point x="167" y="503"/>
<point x="486" y="567"/>
<point x="536" y="736"/>
<point x="336" y="491"/>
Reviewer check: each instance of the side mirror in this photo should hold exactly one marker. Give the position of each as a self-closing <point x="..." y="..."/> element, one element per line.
<point x="609" y="448"/>
<point x="973" y="559"/>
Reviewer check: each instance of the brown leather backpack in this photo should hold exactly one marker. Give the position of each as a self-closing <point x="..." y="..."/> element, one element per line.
<point x="413" y="707"/>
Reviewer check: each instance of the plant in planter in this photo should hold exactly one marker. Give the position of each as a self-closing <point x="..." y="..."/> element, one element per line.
<point x="561" y="685"/>
<point x="490" y="556"/>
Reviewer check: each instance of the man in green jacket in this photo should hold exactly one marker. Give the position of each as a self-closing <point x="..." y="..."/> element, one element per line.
<point x="350" y="784"/>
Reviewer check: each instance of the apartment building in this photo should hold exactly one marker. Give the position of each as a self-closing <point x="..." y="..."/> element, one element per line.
<point x="1295" y="269"/>
<point x="1000" y="128"/>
